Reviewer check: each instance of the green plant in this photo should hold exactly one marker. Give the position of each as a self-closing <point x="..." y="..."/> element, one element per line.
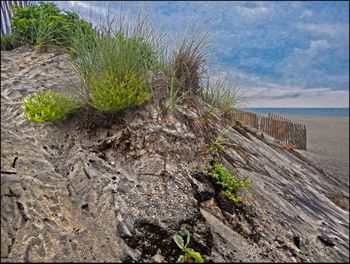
<point x="188" y="61"/>
<point x="189" y="253"/>
<point x="44" y="25"/>
<point x="6" y="42"/>
<point x="228" y="182"/>
<point x="48" y="106"/>
<point x="222" y="93"/>
<point x="174" y="95"/>
<point x="218" y="143"/>
<point x="113" y="69"/>
<point x="109" y="93"/>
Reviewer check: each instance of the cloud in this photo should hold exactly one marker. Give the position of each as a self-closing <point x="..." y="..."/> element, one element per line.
<point x="253" y="12"/>
<point x="296" y="97"/>
<point x="306" y="13"/>
<point x="325" y="29"/>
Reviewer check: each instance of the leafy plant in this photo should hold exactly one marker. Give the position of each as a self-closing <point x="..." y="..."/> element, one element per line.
<point x="48" y="106"/>
<point x="189" y="253"/>
<point x="110" y="93"/>
<point x="44" y="25"/>
<point x="228" y="182"/>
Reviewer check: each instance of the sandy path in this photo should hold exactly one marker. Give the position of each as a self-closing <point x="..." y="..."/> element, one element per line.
<point x="328" y="143"/>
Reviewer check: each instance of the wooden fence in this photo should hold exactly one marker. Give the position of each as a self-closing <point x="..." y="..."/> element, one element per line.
<point x="286" y="131"/>
<point x="7" y="14"/>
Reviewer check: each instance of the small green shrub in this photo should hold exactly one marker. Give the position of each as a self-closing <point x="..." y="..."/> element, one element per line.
<point x="110" y="93"/>
<point x="48" y="106"/>
<point x="44" y="25"/>
<point x="228" y="182"/>
<point x="189" y="253"/>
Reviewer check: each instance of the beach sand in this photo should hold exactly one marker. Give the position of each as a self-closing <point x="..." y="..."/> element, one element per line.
<point x="327" y="143"/>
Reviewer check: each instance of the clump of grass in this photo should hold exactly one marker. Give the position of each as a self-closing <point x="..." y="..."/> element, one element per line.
<point x="187" y="64"/>
<point x="222" y="93"/>
<point x="113" y="68"/>
<point x="228" y="182"/>
<point x="48" y="106"/>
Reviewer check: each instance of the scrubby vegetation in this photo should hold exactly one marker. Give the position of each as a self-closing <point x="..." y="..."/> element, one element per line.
<point x="189" y="255"/>
<point x="114" y="70"/>
<point x="228" y="182"/>
<point x="114" y="64"/>
<point x="221" y="93"/>
<point x="44" y="25"/>
<point x="48" y="106"/>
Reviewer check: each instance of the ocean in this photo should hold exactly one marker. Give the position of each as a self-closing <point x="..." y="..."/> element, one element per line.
<point x="301" y="111"/>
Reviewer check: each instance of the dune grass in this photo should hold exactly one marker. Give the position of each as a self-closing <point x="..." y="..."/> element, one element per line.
<point x="113" y="67"/>
<point x="115" y="62"/>
<point x="222" y="93"/>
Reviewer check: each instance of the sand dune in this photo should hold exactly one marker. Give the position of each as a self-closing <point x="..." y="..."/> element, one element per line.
<point x="119" y="192"/>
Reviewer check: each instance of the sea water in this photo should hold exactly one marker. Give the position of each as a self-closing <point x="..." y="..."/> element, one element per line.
<point x="301" y="111"/>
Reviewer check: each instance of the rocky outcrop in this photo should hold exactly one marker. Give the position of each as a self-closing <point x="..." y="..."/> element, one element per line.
<point x="117" y="188"/>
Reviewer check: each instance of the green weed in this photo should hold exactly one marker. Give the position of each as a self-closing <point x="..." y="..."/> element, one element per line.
<point x="228" y="182"/>
<point x="189" y="254"/>
<point x="48" y="106"/>
<point x="218" y="144"/>
<point x="222" y="93"/>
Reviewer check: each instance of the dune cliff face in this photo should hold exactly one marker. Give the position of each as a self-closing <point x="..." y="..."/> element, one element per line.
<point x="99" y="188"/>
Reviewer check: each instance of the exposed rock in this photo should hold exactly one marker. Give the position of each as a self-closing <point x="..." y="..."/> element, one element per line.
<point x="118" y="189"/>
<point x="326" y="240"/>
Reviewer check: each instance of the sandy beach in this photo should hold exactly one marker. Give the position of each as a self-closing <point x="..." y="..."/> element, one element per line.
<point x="327" y="143"/>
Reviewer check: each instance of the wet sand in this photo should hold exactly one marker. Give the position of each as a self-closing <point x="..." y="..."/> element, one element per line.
<point x="327" y="143"/>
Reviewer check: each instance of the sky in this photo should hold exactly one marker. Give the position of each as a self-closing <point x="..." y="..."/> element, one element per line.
<point x="283" y="54"/>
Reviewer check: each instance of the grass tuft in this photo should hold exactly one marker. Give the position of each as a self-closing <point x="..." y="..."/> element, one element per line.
<point x="187" y="64"/>
<point x="222" y="93"/>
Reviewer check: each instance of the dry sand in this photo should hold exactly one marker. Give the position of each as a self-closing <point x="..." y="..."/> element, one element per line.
<point x="327" y="143"/>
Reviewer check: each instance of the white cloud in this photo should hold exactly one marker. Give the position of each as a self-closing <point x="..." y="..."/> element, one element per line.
<point x="253" y="12"/>
<point x="306" y="13"/>
<point x="325" y="29"/>
<point x="296" y="97"/>
<point x="318" y="45"/>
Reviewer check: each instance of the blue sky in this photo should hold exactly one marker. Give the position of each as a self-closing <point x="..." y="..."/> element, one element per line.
<point x="284" y="54"/>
